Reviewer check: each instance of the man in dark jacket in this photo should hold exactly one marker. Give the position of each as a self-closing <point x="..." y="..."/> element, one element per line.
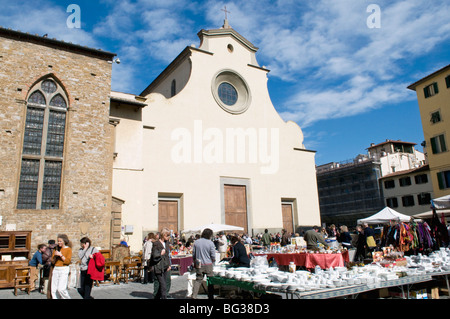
<point x="161" y="261"/>
<point x="240" y="257"/>
<point x="47" y="262"/>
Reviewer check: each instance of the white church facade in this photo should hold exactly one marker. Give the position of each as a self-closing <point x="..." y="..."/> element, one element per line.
<point x="203" y="143"/>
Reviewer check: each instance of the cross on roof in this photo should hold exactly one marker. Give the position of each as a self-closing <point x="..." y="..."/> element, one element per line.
<point x="225" y="10"/>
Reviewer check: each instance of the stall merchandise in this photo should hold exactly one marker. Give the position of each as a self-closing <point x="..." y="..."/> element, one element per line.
<point x="417" y="236"/>
<point x="372" y="276"/>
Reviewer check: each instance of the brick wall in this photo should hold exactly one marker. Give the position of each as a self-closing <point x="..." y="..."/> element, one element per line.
<point x="85" y="205"/>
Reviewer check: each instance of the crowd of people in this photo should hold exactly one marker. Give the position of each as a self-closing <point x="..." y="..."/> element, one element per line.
<point x="157" y="249"/>
<point x="56" y="256"/>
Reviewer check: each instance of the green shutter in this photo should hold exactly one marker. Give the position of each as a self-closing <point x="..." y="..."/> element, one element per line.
<point x="440" y="180"/>
<point x="433" y="145"/>
<point x="447" y="81"/>
<point x="426" y="92"/>
<point x="436" y="90"/>
<point x="442" y="142"/>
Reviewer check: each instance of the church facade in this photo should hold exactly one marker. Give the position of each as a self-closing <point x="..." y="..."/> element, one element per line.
<point x="201" y="144"/>
<point x="204" y="144"/>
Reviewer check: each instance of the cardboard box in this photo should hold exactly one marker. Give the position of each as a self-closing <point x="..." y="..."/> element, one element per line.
<point x="418" y="294"/>
<point x="383" y="293"/>
<point x="435" y="293"/>
<point x="401" y="262"/>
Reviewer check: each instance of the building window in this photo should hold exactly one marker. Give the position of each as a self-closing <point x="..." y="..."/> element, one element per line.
<point x="435" y="117"/>
<point x="444" y="179"/>
<point x="227" y="93"/>
<point x="389" y="184"/>
<point x="173" y="88"/>
<point x="43" y="147"/>
<point x="408" y="200"/>
<point x="405" y="181"/>
<point x="431" y="90"/>
<point x="447" y="81"/>
<point x="392" y="202"/>
<point x="438" y="144"/>
<point x="424" y="198"/>
<point x="421" y="179"/>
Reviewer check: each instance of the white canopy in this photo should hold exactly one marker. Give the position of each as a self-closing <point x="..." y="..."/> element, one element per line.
<point x="214" y="227"/>
<point x="429" y="213"/>
<point x="441" y="202"/>
<point x="384" y="216"/>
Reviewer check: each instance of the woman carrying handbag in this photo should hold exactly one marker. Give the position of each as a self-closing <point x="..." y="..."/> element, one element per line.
<point x="85" y="254"/>
<point x="161" y="262"/>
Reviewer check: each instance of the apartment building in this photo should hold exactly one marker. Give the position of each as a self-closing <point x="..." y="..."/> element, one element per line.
<point x="433" y="96"/>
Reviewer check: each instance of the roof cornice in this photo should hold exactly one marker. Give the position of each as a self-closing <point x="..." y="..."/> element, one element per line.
<point x="224" y="32"/>
<point x="67" y="46"/>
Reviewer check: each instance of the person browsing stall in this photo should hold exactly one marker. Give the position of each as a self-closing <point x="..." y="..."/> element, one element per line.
<point x="204" y="256"/>
<point x="240" y="257"/>
<point x="312" y="237"/>
<point x="34" y="262"/>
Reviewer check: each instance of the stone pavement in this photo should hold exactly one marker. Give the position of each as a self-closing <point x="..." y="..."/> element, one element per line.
<point x="132" y="290"/>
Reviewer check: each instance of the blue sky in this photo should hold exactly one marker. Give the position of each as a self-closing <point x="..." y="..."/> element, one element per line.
<point x="343" y="82"/>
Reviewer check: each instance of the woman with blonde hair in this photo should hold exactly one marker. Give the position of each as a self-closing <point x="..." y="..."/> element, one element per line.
<point x="61" y="259"/>
<point x="345" y="238"/>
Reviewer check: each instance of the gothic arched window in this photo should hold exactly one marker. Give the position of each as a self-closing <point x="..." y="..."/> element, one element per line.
<point x="43" y="147"/>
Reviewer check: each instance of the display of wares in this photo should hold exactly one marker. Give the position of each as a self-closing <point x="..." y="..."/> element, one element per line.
<point x="272" y="279"/>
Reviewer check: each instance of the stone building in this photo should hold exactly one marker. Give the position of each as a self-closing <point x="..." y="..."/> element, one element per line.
<point x="55" y="138"/>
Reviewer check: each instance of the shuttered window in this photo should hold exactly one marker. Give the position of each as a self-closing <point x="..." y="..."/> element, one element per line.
<point x="438" y="144"/>
<point x="431" y="90"/>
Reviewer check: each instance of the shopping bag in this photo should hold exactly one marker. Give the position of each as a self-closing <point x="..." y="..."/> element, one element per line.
<point x="371" y="242"/>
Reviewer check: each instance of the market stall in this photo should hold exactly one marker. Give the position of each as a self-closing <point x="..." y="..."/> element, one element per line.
<point x="337" y="281"/>
<point x="310" y="260"/>
<point x="441" y="202"/>
<point x="385" y="216"/>
<point x="182" y="262"/>
<point x="214" y="227"/>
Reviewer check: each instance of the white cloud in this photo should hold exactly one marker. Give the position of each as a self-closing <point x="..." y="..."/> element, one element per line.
<point x="356" y="96"/>
<point x="46" y="18"/>
<point x="324" y="48"/>
<point x="341" y="67"/>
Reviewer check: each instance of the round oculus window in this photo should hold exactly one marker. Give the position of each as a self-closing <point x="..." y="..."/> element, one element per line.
<point x="231" y="92"/>
<point x="227" y="93"/>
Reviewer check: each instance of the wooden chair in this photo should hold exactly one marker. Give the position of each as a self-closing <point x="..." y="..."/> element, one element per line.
<point x="131" y="268"/>
<point x="118" y="253"/>
<point x="136" y="268"/>
<point x="22" y="279"/>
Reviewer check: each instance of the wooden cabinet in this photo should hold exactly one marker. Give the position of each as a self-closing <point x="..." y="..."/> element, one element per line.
<point x="15" y="248"/>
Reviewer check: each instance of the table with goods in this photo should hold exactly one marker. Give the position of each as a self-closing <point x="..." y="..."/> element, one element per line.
<point x="389" y="269"/>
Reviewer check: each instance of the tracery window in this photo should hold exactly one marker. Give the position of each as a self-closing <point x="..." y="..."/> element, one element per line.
<point x="43" y="147"/>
